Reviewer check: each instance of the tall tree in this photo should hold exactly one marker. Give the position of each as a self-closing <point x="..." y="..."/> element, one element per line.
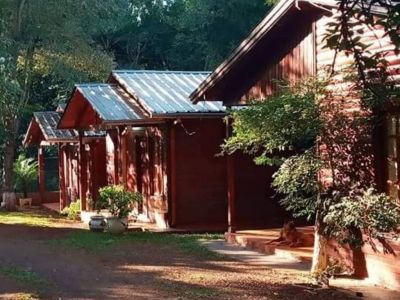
<point x="42" y="39"/>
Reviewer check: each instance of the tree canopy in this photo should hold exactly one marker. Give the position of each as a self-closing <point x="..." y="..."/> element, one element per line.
<point x="48" y="46"/>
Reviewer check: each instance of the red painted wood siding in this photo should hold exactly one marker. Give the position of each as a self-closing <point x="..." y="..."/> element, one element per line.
<point x="293" y="61"/>
<point x="201" y="188"/>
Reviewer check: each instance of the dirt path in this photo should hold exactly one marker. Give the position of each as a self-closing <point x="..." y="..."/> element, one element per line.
<point x="142" y="269"/>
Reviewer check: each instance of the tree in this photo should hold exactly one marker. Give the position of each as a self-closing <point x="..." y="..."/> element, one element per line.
<point x="42" y="40"/>
<point x="182" y="34"/>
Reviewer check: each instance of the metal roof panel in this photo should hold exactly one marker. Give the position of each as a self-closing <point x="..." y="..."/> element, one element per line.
<point x="111" y="102"/>
<point x="166" y="92"/>
<point x="48" y="121"/>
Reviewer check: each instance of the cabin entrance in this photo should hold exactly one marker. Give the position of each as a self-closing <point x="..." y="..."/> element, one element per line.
<point x="148" y="171"/>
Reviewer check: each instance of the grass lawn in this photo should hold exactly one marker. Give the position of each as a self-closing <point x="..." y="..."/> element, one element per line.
<point x="30" y="218"/>
<point x="95" y="242"/>
<point x="48" y="257"/>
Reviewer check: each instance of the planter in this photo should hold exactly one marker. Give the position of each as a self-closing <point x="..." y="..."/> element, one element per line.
<point x="25" y="202"/>
<point x="97" y="223"/>
<point x="117" y="225"/>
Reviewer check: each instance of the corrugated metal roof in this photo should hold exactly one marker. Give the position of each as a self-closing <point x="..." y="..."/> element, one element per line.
<point x="48" y="121"/>
<point x="166" y="92"/>
<point x="111" y="102"/>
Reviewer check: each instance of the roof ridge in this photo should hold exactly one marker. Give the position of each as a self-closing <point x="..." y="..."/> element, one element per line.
<point x="161" y="71"/>
<point x="94" y="84"/>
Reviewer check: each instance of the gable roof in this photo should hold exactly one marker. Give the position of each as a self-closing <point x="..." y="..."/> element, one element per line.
<point x="43" y="127"/>
<point x="261" y="30"/>
<point x="164" y="93"/>
<point x="48" y="121"/>
<point x="111" y="102"/>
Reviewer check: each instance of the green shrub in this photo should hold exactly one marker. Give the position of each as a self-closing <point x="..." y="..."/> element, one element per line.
<point x="25" y="172"/>
<point x="296" y="180"/>
<point x="117" y="200"/>
<point x="72" y="211"/>
<point x="365" y="211"/>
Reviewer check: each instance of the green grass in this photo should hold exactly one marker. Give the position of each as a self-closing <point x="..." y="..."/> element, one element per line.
<point x="95" y="242"/>
<point x="21" y="276"/>
<point x="29" y="279"/>
<point x="28" y="219"/>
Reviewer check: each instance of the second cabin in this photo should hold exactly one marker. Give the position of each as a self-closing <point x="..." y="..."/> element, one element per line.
<point x="162" y="145"/>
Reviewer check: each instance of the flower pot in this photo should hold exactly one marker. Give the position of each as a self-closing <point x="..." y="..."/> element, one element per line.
<point x="25" y="202"/>
<point x="117" y="225"/>
<point x="97" y="223"/>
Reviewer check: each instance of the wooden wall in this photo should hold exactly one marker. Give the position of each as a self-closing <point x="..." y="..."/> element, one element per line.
<point x="256" y="202"/>
<point x="200" y="183"/>
<point x="292" y="61"/>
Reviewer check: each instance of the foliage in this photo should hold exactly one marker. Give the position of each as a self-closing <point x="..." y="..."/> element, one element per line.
<point x="117" y="200"/>
<point x="373" y="213"/>
<point x="343" y="159"/>
<point x="180" y="34"/>
<point x="25" y="171"/>
<point x="288" y="121"/>
<point x="297" y="181"/>
<point x="72" y="211"/>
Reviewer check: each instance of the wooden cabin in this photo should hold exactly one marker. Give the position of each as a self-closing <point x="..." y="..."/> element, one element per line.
<point x="162" y="145"/>
<point x="42" y="132"/>
<point x="288" y="44"/>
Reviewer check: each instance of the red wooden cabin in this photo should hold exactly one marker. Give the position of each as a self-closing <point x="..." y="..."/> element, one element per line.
<point x="160" y="144"/>
<point x="288" y="44"/>
<point x="43" y="132"/>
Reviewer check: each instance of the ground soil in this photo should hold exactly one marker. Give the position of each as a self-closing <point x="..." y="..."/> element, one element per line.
<point x="138" y="271"/>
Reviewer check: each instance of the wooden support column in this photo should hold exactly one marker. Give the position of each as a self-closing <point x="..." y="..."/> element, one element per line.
<point x="42" y="178"/>
<point x="82" y="172"/>
<point x="62" y="176"/>
<point x="231" y="176"/>
<point x="124" y="156"/>
<point x="172" y="165"/>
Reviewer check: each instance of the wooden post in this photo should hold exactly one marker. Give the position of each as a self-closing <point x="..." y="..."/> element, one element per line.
<point x="42" y="179"/>
<point x="172" y="155"/>
<point x="231" y="177"/>
<point x="124" y="157"/>
<point x="82" y="172"/>
<point x="62" y="176"/>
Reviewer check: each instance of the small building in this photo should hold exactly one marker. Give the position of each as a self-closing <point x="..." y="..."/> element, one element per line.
<point x="289" y="44"/>
<point x="162" y="145"/>
<point x="42" y="132"/>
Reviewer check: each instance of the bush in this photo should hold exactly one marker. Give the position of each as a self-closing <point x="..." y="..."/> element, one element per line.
<point x="25" y="171"/>
<point x="297" y="181"/>
<point x="117" y="200"/>
<point x="72" y="211"/>
<point x="367" y="212"/>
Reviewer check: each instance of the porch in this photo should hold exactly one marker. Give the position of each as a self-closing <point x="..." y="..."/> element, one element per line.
<point x="262" y="240"/>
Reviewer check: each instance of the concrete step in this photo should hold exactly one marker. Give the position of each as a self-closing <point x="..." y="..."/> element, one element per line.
<point x="263" y="245"/>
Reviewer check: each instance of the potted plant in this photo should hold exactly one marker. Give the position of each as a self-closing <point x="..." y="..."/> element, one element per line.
<point x="97" y="222"/>
<point x="25" y="172"/>
<point x="119" y="203"/>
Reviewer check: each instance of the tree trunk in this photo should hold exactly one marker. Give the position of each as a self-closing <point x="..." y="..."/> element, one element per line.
<point x="320" y="256"/>
<point x="9" y="155"/>
<point x="10" y="201"/>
